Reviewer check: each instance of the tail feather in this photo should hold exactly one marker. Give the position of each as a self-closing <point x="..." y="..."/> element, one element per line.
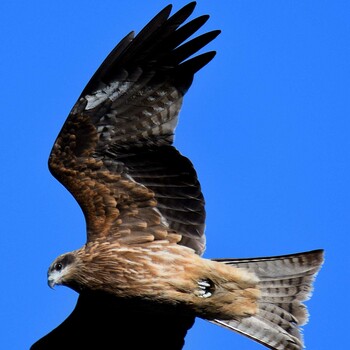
<point x="285" y="282"/>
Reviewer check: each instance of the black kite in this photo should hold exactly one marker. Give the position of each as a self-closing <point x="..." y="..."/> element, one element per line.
<point x="144" y="208"/>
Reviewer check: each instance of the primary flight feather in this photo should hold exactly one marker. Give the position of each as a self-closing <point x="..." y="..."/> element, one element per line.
<point x="143" y="204"/>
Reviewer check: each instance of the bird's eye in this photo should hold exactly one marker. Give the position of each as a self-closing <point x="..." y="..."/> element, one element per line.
<point x="58" y="266"/>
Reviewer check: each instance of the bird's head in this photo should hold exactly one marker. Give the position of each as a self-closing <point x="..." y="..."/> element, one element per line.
<point x="61" y="270"/>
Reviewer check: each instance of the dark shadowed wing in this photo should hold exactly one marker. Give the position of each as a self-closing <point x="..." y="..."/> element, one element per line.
<point x="101" y="321"/>
<point x="114" y="152"/>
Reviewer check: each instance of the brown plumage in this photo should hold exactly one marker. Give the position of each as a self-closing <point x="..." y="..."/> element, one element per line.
<point x="143" y="203"/>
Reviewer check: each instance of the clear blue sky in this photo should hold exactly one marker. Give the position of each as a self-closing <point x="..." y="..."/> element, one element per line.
<point x="266" y="125"/>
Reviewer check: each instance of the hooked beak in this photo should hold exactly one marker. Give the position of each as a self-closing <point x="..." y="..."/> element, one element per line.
<point x="51" y="282"/>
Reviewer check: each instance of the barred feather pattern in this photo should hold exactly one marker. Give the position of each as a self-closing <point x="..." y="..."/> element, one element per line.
<point x="285" y="282"/>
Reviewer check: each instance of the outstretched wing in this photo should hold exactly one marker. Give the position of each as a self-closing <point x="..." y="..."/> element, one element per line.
<point x="114" y="152"/>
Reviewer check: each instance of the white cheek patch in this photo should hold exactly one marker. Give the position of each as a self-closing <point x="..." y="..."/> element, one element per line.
<point x="111" y="91"/>
<point x="55" y="276"/>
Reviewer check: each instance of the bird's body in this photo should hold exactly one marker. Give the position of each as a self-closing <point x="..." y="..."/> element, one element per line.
<point x="164" y="273"/>
<point x="240" y="294"/>
<point x="143" y="203"/>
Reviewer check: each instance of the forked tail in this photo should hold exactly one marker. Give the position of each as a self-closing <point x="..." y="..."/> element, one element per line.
<point x="285" y="282"/>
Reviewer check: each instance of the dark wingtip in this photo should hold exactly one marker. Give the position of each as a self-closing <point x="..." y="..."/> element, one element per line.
<point x="194" y="64"/>
<point x="165" y="12"/>
<point x="191" y="5"/>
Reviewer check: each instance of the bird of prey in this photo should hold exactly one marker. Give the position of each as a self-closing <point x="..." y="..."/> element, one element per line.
<point x="144" y="208"/>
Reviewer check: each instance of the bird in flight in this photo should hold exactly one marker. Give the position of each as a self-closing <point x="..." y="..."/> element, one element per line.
<point x="143" y="204"/>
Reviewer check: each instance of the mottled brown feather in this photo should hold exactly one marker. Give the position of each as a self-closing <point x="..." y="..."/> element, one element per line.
<point x="114" y="152"/>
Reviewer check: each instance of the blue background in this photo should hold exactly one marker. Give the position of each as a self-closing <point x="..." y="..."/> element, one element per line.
<point x="266" y="125"/>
